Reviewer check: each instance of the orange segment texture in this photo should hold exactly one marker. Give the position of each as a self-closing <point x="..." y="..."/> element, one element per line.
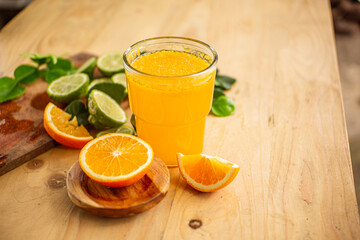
<point x="206" y="173"/>
<point x="65" y="132"/>
<point x="120" y="156"/>
<point x="62" y="121"/>
<point x="116" y="160"/>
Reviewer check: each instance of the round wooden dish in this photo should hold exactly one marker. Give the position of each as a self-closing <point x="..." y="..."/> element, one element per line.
<point x="122" y="201"/>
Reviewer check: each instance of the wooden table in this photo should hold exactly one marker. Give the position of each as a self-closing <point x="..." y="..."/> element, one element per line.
<point x="288" y="133"/>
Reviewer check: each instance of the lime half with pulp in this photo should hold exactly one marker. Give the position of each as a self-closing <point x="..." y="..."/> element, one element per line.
<point x="110" y="63"/>
<point x="104" y="111"/>
<point x="120" y="78"/>
<point x="115" y="90"/>
<point x="97" y="81"/>
<point x="88" y="67"/>
<point x="68" y="88"/>
<point x="122" y="129"/>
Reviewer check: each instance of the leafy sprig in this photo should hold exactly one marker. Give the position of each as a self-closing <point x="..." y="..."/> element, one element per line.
<point x="222" y="105"/>
<point x="13" y="87"/>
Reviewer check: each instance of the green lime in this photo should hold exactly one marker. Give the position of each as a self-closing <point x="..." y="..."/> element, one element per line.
<point x="93" y="120"/>
<point x="68" y="88"/>
<point x="122" y="129"/>
<point x="120" y="78"/>
<point x="110" y="63"/>
<point x="104" y="110"/>
<point x="88" y="67"/>
<point x="115" y="90"/>
<point x="96" y="81"/>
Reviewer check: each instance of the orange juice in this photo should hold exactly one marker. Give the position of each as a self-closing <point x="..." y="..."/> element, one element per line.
<point x="171" y="96"/>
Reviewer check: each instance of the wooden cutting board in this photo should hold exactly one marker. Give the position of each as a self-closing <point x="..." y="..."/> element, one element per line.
<point x="118" y="201"/>
<point x="22" y="135"/>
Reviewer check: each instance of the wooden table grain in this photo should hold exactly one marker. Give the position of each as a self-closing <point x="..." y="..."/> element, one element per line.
<point x="288" y="133"/>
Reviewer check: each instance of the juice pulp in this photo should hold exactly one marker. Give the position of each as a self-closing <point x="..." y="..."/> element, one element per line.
<point x="171" y="107"/>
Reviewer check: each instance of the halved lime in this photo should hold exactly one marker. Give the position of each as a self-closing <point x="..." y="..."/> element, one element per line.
<point x="98" y="80"/>
<point x="104" y="110"/>
<point x="68" y="88"/>
<point x="93" y="120"/>
<point x="88" y="67"/>
<point x="115" y="90"/>
<point x="110" y="63"/>
<point x="119" y="78"/>
<point x="122" y="129"/>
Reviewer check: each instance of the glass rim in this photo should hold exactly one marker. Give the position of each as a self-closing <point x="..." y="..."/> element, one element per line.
<point x="212" y="64"/>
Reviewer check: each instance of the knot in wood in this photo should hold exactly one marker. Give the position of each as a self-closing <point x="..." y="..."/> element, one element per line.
<point x="195" y="223"/>
<point x="34" y="164"/>
<point x="57" y="181"/>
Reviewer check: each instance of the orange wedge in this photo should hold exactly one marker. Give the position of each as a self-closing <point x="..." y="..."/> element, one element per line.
<point x="116" y="159"/>
<point x="206" y="173"/>
<point x="58" y="125"/>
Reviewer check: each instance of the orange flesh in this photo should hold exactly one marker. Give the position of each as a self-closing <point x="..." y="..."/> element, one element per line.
<point x="61" y="120"/>
<point x="170" y="113"/>
<point x="126" y="157"/>
<point x="203" y="170"/>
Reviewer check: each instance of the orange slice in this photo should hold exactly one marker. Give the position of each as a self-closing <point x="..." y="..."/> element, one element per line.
<point x="206" y="173"/>
<point x="116" y="159"/>
<point x="58" y="125"/>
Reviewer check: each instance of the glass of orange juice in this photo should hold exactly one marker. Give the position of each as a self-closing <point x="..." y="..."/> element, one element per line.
<point x="170" y="84"/>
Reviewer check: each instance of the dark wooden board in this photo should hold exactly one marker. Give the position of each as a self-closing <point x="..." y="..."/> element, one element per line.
<point x="118" y="202"/>
<point x="22" y="135"/>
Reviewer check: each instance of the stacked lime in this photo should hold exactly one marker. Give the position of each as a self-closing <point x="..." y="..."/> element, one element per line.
<point x="114" y="90"/>
<point x="104" y="110"/>
<point x="97" y="81"/>
<point x="110" y="63"/>
<point x="68" y="88"/>
<point x="120" y="78"/>
<point x="122" y="129"/>
<point x="88" y="67"/>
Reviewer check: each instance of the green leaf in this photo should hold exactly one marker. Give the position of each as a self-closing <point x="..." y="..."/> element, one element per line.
<point x="16" y="92"/>
<point x="42" y="72"/>
<point x="61" y="63"/>
<point x="77" y="108"/>
<point x="7" y="84"/>
<point x="133" y="122"/>
<point x="217" y="93"/>
<point x="54" y="74"/>
<point x="26" y="74"/>
<point x="223" y="106"/>
<point x="41" y="58"/>
<point x="224" y="82"/>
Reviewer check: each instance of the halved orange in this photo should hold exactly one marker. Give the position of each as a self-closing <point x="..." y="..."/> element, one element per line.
<point x="206" y="173"/>
<point x="116" y="159"/>
<point x="58" y="125"/>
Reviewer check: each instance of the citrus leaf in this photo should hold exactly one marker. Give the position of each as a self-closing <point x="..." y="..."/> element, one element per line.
<point x="223" y="106"/>
<point x="61" y="63"/>
<point x="7" y="84"/>
<point x="77" y="108"/>
<point x="54" y="74"/>
<point x="41" y="58"/>
<point x="26" y="74"/>
<point x="217" y="93"/>
<point x="16" y="92"/>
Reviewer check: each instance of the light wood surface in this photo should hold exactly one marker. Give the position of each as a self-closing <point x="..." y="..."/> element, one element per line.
<point x="122" y="201"/>
<point x="288" y="133"/>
